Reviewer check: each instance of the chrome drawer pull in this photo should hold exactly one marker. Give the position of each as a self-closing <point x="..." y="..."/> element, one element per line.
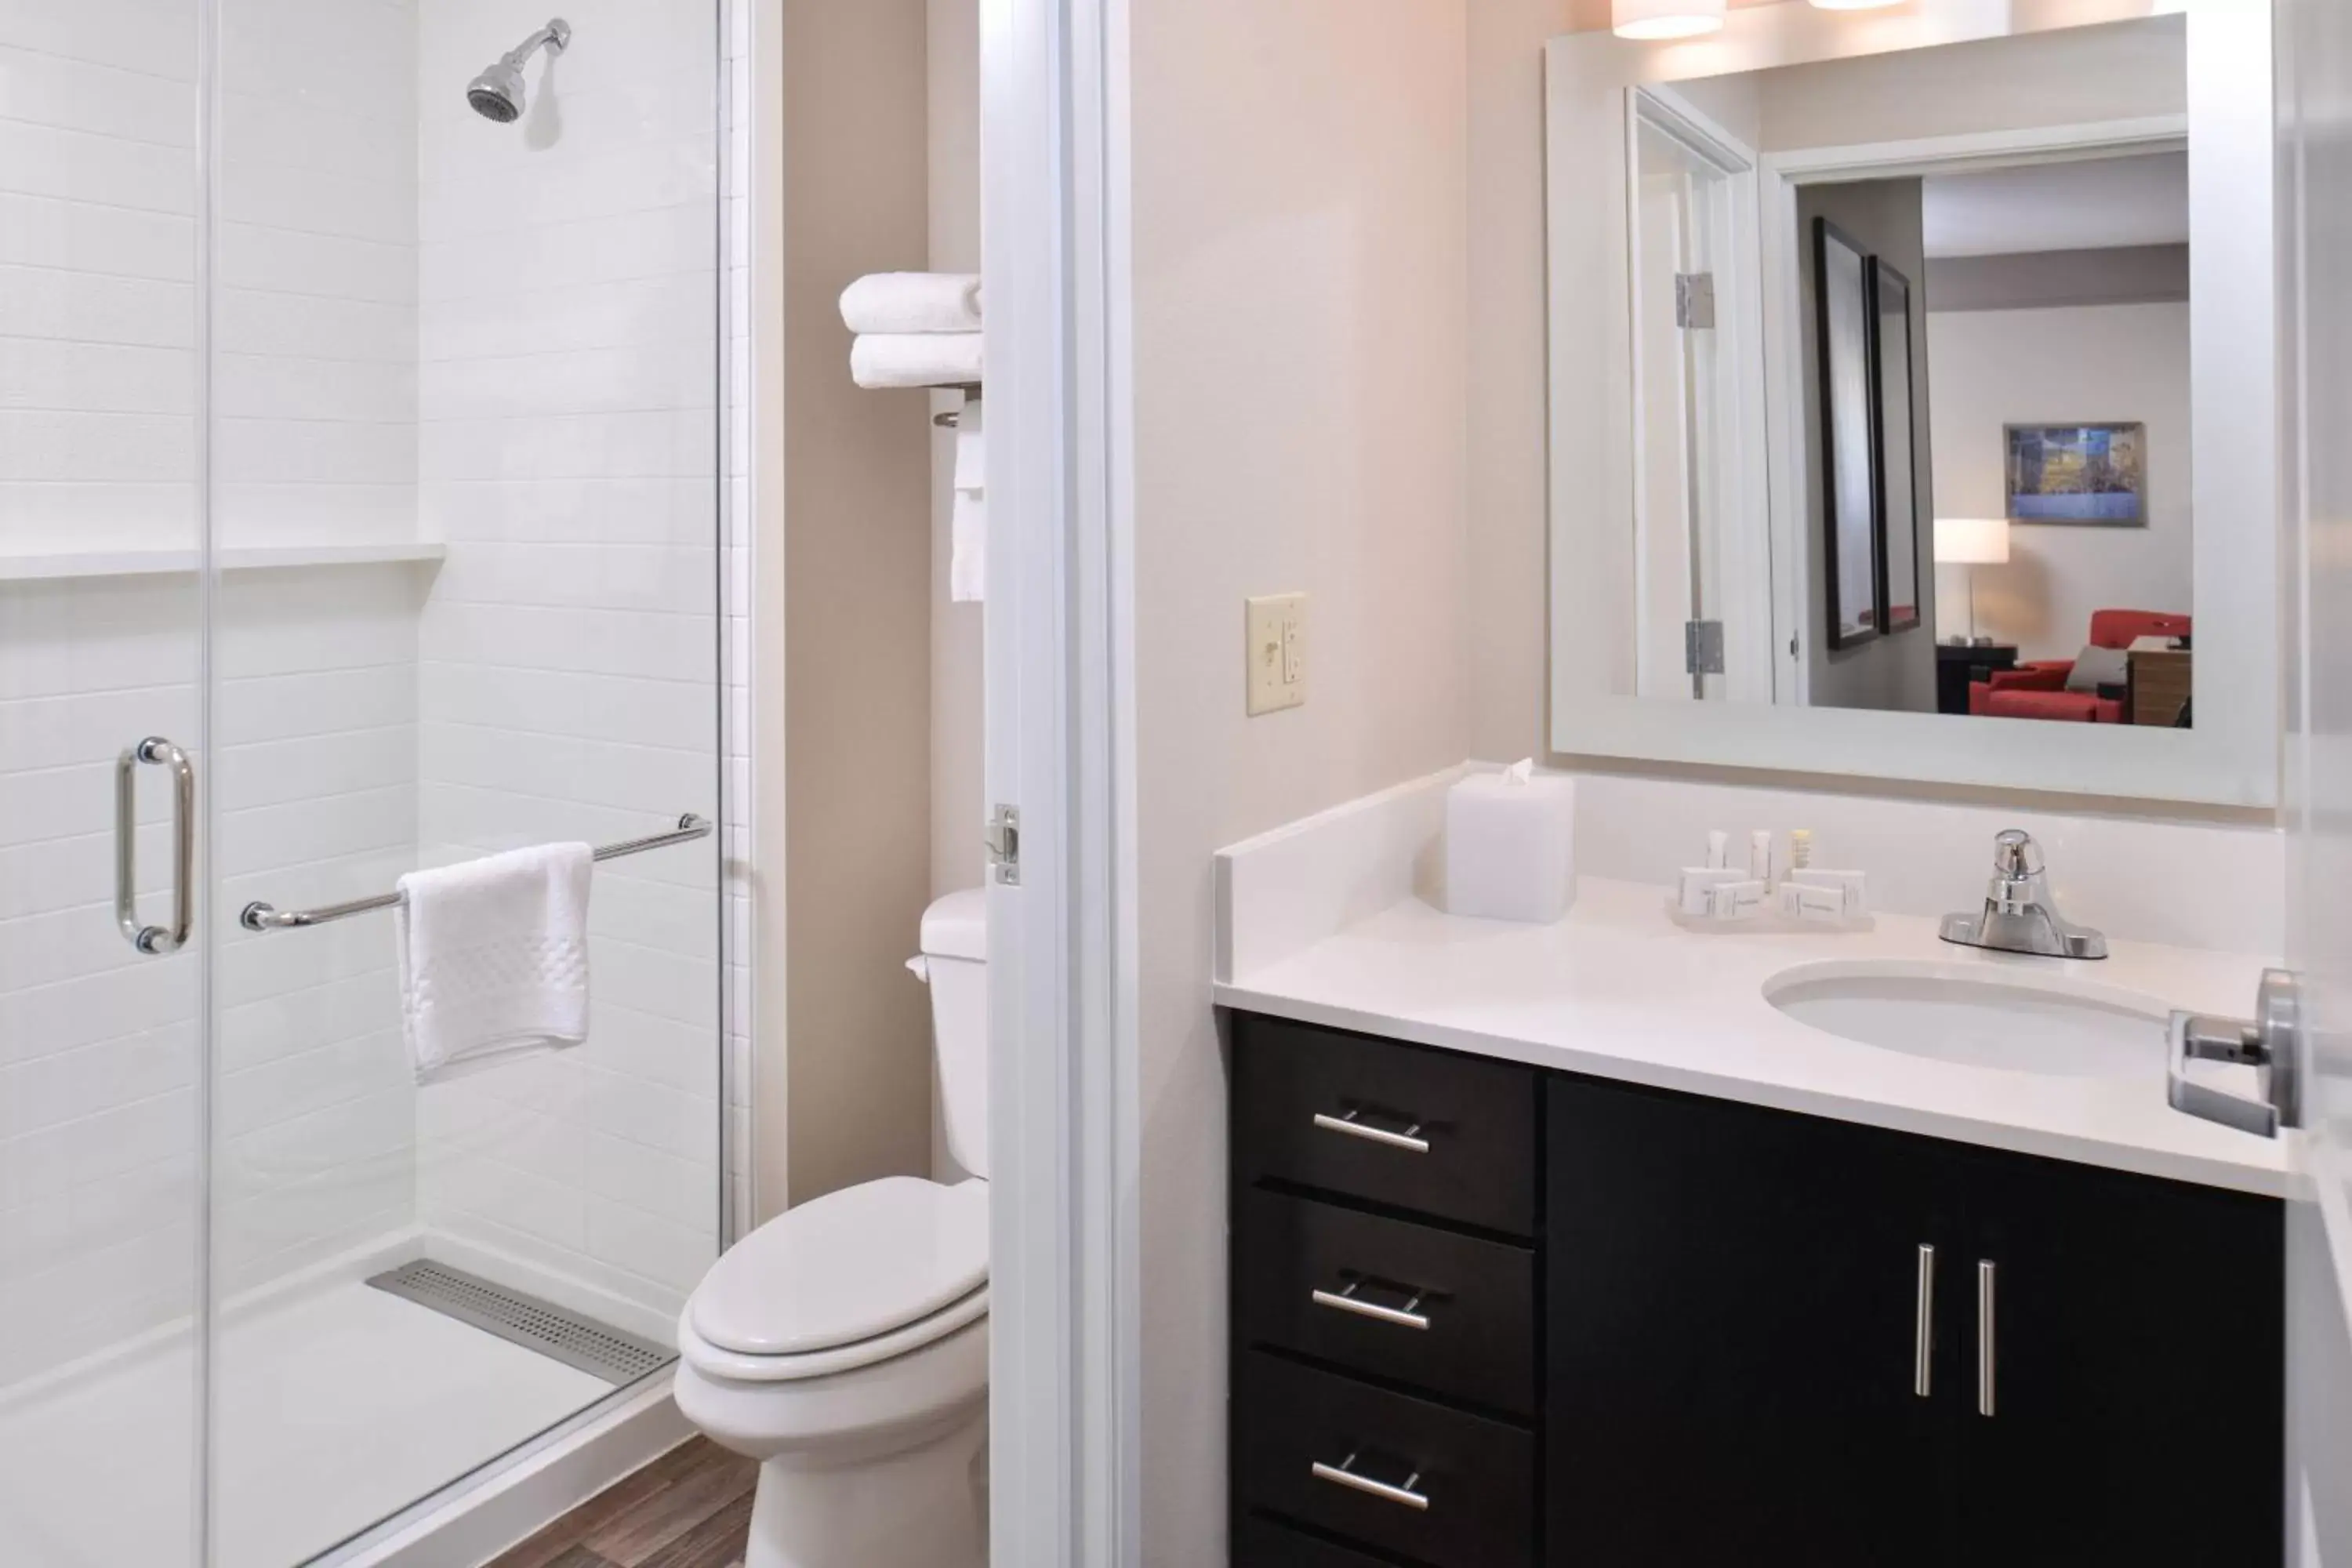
<point x="1343" y="1474"/>
<point x="1354" y="1127"/>
<point x="1984" y="1337"/>
<point x="1923" y="1333"/>
<point x="1346" y="1300"/>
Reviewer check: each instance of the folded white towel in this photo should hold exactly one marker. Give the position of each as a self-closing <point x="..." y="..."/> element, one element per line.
<point x="968" y="525"/>
<point x="915" y="359"/>
<point x="968" y="564"/>
<point x="971" y="448"/>
<point x="912" y="302"/>
<point x="493" y="956"/>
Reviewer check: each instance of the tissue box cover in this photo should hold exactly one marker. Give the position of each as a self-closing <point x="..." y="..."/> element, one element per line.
<point x="1510" y="848"/>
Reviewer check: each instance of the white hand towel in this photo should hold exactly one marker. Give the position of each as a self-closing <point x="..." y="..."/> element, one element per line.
<point x="912" y="302"/>
<point x="971" y="448"/>
<point x="493" y="956"/>
<point x="968" y="539"/>
<point x="915" y="359"/>
<point x="968" y="526"/>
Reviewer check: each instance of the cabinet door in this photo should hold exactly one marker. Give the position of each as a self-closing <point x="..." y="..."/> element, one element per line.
<point x="2135" y="1371"/>
<point x="1731" y="1317"/>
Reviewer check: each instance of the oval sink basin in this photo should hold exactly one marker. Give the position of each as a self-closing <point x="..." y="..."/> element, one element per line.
<point x="1955" y="1013"/>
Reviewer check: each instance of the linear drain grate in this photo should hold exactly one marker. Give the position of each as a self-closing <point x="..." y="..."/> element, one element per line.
<point x="553" y="1331"/>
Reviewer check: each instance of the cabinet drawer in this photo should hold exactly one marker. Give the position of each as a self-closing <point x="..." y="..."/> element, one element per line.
<point x="1262" y="1543"/>
<point x="1407" y="1302"/>
<point x="1449" y="1135"/>
<point x="1459" y="1492"/>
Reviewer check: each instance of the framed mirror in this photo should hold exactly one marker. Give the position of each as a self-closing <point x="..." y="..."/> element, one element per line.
<point x="1873" y="445"/>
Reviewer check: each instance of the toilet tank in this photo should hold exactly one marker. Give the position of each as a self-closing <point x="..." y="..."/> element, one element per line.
<point x="955" y="962"/>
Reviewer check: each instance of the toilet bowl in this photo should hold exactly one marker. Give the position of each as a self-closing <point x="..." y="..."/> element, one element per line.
<point x="843" y="1344"/>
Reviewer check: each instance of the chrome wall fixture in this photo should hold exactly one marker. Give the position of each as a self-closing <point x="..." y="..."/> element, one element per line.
<point x="259" y="916"/>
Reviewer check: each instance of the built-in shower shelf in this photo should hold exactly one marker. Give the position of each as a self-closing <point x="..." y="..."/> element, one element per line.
<point x="31" y="566"/>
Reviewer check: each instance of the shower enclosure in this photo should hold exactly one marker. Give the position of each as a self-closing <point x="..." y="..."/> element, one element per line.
<point x="361" y="509"/>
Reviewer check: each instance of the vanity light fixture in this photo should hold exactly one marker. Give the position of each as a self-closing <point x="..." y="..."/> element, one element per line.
<point x="1652" y="20"/>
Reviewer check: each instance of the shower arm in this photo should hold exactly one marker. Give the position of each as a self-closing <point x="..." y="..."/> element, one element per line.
<point x="556" y="36"/>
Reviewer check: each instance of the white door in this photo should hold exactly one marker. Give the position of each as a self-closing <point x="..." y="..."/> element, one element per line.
<point x="2315" y="85"/>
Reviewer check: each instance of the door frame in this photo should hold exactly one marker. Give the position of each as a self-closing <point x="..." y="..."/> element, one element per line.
<point x="1064" y="1130"/>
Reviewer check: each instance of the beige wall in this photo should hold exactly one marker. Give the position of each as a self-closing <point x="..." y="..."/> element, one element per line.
<point x="1300" y="297"/>
<point x="857" y="616"/>
<point x="956" y="777"/>
<point x="1505" y="651"/>
<point x="1993" y="368"/>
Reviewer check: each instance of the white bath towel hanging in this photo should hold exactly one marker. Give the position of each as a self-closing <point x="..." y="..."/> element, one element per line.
<point x="913" y="302"/>
<point x="968" y="526"/>
<point x="493" y="957"/>
<point x="915" y="359"/>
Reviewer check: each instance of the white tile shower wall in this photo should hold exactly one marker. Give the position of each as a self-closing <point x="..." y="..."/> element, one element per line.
<point x="313" y="766"/>
<point x="570" y="653"/>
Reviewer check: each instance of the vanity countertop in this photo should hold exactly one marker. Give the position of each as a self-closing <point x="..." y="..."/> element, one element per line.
<point x="1617" y="990"/>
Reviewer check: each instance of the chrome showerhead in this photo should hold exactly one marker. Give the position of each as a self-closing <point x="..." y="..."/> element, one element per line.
<point x="499" y="92"/>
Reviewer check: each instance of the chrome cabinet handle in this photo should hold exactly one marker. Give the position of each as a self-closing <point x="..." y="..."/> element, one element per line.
<point x="1346" y="1300"/>
<point x="1923" y="1333"/>
<point x="1986" y="1333"/>
<point x="1354" y="1126"/>
<point x="1344" y="1474"/>
<point x="147" y="939"/>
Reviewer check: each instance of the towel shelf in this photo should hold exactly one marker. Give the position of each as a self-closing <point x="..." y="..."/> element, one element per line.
<point x="267" y="917"/>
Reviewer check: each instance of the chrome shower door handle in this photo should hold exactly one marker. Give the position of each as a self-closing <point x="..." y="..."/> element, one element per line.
<point x="155" y="940"/>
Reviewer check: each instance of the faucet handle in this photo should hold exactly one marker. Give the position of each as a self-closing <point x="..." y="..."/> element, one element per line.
<point x="2015" y="855"/>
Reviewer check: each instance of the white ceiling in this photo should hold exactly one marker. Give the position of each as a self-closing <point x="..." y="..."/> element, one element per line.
<point x="2091" y="204"/>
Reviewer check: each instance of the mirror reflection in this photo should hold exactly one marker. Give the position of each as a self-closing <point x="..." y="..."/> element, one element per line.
<point x="1910" y="407"/>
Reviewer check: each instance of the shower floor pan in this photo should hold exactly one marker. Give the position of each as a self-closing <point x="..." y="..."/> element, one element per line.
<point x="335" y="1409"/>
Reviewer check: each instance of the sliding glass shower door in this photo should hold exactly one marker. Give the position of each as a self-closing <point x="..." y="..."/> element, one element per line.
<point x="101" y="647"/>
<point x="358" y="453"/>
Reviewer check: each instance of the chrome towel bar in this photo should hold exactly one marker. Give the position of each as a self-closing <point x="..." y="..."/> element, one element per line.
<point x="267" y="917"/>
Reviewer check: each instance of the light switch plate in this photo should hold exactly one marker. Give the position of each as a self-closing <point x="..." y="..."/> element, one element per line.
<point x="1276" y="652"/>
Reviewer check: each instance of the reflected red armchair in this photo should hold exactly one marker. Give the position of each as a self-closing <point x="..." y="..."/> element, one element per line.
<point x="2038" y="689"/>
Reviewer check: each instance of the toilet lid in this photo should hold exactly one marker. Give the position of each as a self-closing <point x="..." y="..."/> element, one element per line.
<point x="846" y="1267"/>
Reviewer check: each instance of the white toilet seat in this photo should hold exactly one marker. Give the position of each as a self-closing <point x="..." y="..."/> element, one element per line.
<point x="734" y="1366"/>
<point x="852" y="1266"/>
<point x="851" y="1280"/>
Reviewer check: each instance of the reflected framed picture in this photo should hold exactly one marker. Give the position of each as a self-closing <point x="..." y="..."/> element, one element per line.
<point x="1898" y="474"/>
<point x="2092" y="476"/>
<point x="1849" y="421"/>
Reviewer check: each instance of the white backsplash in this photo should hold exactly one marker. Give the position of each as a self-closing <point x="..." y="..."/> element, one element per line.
<point x="2216" y="886"/>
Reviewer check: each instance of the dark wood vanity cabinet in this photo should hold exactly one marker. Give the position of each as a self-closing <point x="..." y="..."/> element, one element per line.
<point x="1662" y="1329"/>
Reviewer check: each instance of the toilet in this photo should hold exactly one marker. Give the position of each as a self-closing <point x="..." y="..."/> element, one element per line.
<point x="843" y="1344"/>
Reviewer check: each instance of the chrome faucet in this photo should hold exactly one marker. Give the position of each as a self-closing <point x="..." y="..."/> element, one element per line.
<point x="2018" y="916"/>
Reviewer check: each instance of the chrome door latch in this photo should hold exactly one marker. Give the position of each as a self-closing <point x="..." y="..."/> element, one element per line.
<point x="1003" y="839"/>
<point x="2267" y="1043"/>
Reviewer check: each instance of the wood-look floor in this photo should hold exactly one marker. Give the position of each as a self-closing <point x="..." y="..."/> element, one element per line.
<point x="690" y="1508"/>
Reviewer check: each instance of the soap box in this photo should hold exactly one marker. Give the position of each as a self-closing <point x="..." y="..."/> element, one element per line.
<point x="1510" y="845"/>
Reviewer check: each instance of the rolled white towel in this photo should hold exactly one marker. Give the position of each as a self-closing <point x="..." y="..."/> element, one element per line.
<point x="912" y="302"/>
<point x="915" y="359"/>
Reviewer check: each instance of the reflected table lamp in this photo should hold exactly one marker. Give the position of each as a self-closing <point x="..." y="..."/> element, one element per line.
<point x="1972" y="542"/>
